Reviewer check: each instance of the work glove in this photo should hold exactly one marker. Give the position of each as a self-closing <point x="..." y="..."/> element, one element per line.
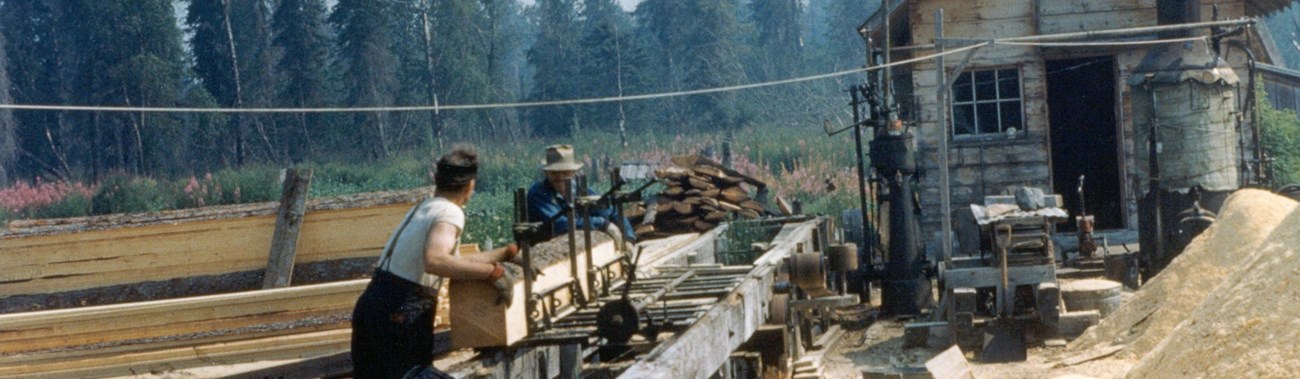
<point x="505" y="285"/>
<point x="516" y="256"/>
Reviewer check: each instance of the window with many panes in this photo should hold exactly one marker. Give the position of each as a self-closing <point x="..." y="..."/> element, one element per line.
<point x="987" y="102"/>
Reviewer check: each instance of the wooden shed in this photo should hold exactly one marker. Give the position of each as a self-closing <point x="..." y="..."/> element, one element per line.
<point x="1040" y="115"/>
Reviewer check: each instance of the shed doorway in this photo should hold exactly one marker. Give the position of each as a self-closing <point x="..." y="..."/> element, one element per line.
<point x="1081" y="103"/>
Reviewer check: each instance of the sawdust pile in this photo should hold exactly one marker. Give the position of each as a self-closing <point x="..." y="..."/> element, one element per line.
<point x="1247" y="327"/>
<point x="1229" y="280"/>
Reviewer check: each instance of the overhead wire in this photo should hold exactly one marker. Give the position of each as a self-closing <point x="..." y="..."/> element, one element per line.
<point x="621" y="98"/>
<point x="443" y="107"/>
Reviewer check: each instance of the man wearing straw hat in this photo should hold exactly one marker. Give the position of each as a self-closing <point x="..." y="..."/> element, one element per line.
<point x="546" y="199"/>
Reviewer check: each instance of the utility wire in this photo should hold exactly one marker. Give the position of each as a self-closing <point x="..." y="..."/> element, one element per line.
<point x="425" y="108"/>
<point x="440" y="107"/>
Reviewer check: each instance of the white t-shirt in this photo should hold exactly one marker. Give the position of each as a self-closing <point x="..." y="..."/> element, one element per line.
<point x="408" y="242"/>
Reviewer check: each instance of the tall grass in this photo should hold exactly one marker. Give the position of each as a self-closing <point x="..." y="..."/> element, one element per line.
<point x="798" y="163"/>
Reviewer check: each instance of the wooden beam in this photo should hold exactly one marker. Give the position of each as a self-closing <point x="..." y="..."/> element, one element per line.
<point x="175" y="317"/>
<point x="480" y="322"/>
<point x="288" y="221"/>
<point x="262" y="349"/>
<point x="74" y="261"/>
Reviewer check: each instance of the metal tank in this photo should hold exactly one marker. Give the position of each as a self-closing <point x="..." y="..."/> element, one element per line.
<point x="1184" y="111"/>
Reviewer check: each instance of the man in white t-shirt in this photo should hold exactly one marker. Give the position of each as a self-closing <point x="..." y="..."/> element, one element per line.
<point x="392" y="324"/>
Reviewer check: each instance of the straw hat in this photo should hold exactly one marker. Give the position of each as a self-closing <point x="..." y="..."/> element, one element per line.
<point x="560" y="158"/>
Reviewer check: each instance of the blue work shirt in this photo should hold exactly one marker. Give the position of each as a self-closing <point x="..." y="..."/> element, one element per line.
<point x="546" y="204"/>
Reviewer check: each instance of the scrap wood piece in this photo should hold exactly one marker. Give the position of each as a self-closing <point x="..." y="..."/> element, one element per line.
<point x="694" y="160"/>
<point x="734" y="195"/>
<point x="784" y="206"/>
<point x="950" y="364"/>
<point x="1090" y="356"/>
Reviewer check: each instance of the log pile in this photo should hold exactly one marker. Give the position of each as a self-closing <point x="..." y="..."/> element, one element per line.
<point x="696" y="199"/>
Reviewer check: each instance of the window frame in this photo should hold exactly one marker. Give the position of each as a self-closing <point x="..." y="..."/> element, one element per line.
<point x="997" y="101"/>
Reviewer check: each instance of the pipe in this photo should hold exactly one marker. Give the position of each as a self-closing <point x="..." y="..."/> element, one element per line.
<point x="1154" y="164"/>
<point x="1124" y="32"/>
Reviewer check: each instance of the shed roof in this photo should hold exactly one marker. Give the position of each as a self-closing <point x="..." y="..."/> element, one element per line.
<point x="1254" y="8"/>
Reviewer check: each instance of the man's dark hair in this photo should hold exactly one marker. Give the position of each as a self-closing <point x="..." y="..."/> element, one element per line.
<point x="454" y="170"/>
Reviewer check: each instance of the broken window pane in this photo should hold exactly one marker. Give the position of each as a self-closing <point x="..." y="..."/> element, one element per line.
<point x="961" y="89"/>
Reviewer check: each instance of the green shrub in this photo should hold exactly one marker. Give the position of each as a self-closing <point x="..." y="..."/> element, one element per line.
<point x="120" y="193"/>
<point x="248" y="185"/>
<point x="74" y="205"/>
<point x="489" y="216"/>
<point x="1280" y="135"/>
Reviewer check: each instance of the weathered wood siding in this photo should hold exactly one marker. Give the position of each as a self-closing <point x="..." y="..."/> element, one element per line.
<point x="985" y="167"/>
<point x="977" y="166"/>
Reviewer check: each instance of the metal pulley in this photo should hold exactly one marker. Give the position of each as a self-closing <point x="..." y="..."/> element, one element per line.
<point x="808" y="271"/>
<point x="617" y="321"/>
<point x="842" y="257"/>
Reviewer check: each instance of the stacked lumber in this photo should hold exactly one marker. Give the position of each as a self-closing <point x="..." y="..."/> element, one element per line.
<point x="169" y="334"/>
<point x="699" y="198"/>
<point x="198" y="249"/>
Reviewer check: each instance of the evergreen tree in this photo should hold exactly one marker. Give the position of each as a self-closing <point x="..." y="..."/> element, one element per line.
<point x="779" y="43"/>
<point x="8" y="127"/>
<point x="299" y="32"/>
<point x="663" y="23"/>
<point x="144" y="67"/>
<point x="233" y="57"/>
<point x="605" y="65"/>
<point x="508" y="36"/>
<point x="713" y="57"/>
<point x="843" y="46"/>
<point x="555" y="56"/>
<point x="369" y="67"/>
<point x="39" y="73"/>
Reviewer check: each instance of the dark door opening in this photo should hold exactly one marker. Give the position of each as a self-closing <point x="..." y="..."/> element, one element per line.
<point x="1081" y="101"/>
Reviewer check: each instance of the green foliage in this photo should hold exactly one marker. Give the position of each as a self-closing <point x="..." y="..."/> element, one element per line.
<point x="120" y="193"/>
<point x="489" y="215"/>
<point x="555" y="55"/>
<point x="73" y="205"/>
<point x="253" y="184"/>
<point x="332" y="179"/>
<point x="1280" y="135"/>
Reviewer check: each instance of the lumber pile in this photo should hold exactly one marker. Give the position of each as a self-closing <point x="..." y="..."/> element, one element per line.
<point x="145" y="251"/>
<point x="697" y="199"/>
<point x="121" y="339"/>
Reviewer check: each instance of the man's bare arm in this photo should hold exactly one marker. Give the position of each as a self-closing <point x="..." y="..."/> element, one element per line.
<point x="438" y="258"/>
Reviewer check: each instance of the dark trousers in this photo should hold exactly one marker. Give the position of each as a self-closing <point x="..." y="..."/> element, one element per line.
<point x="392" y="328"/>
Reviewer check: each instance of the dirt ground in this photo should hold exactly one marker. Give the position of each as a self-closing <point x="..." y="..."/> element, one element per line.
<point x="881" y="346"/>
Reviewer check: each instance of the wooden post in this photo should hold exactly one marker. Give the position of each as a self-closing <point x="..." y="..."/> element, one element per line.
<point x="284" y="243"/>
<point x="941" y="98"/>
